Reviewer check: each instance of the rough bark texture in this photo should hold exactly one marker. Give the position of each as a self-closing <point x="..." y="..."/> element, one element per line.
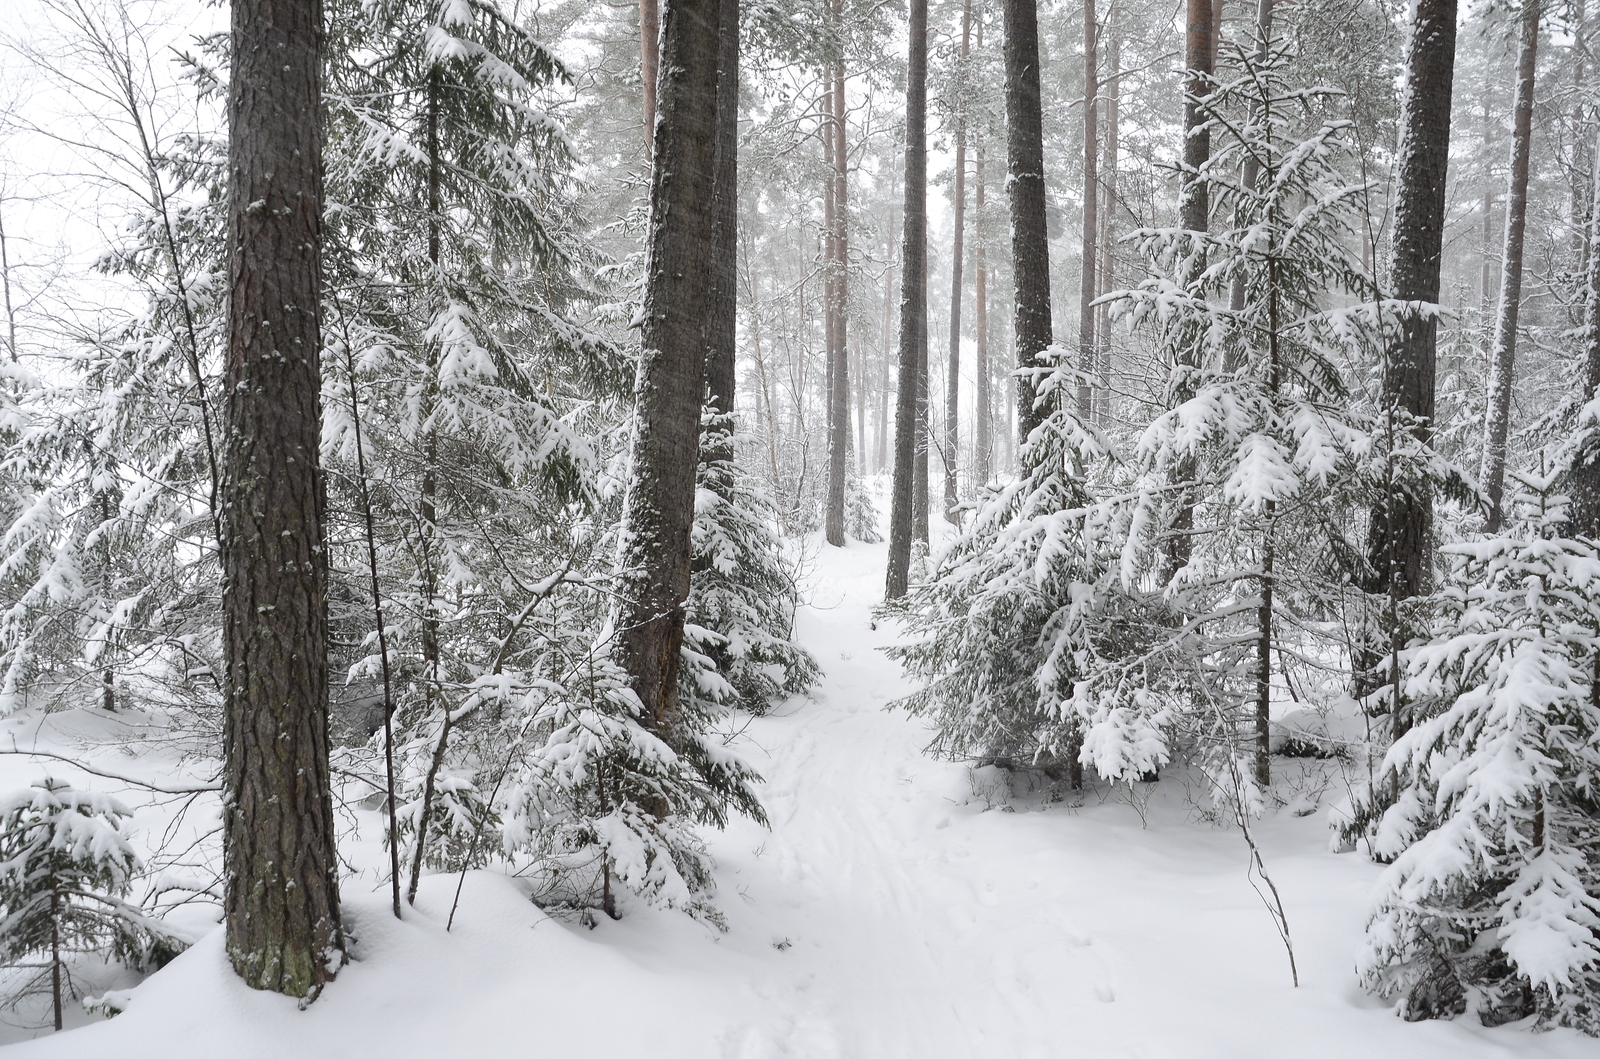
<point x="1400" y="527"/>
<point x="655" y="552"/>
<point x="721" y="320"/>
<point x="1503" y="369"/>
<point x="838" y="346"/>
<point x="1030" y="244"/>
<point x="913" y="308"/>
<point x="1091" y="182"/>
<point x="952" y="386"/>
<point x="1200" y="44"/>
<point x="649" y="67"/>
<point x="281" y="900"/>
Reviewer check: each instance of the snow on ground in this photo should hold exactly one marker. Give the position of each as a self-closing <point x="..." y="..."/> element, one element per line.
<point x="890" y="912"/>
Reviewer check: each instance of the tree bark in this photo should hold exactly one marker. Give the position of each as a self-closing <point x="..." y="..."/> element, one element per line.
<point x="1091" y="194"/>
<point x="1195" y="217"/>
<point x="1398" y="536"/>
<point x="1030" y="244"/>
<point x="1252" y="164"/>
<point x="1200" y="52"/>
<point x="839" y="363"/>
<point x="1111" y="93"/>
<point x="1503" y="370"/>
<point x="952" y="387"/>
<point x="983" y="427"/>
<point x="913" y="309"/>
<point x="281" y="892"/>
<point x="721" y="319"/>
<point x="659" y="510"/>
<point x="649" y="68"/>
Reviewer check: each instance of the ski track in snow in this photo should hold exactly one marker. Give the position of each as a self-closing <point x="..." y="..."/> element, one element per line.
<point x="889" y="912"/>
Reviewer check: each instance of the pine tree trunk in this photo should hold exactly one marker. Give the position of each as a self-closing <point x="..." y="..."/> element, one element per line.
<point x="281" y="900"/>
<point x="952" y="386"/>
<point x="1194" y="216"/>
<point x="1582" y="157"/>
<point x="913" y="310"/>
<point x="1252" y="164"/>
<point x="1503" y="369"/>
<point x="659" y="510"/>
<point x="1399" y="530"/>
<point x="1091" y="195"/>
<point x="1487" y="262"/>
<point x="983" y="426"/>
<point x="649" y="68"/>
<point x="839" y="363"/>
<point x="721" y="319"/>
<point x="1111" y="93"/>
<point x="1030" y="243"/>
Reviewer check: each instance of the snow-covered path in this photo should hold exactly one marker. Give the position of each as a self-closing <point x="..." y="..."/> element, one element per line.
<point x="889" y="912"/>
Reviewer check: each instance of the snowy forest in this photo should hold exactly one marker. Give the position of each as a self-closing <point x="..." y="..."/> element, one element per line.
<point x="817" y="529"/>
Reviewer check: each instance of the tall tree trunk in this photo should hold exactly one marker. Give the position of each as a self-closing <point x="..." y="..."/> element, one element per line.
<point x="1583" y="158"/>
<point x="983" y="426"/>
<point x="1030" y="242"/>
<point x="1199" y="55"/>
<point x="655" y="552"/>
<point x="1091" y="195"/>
<point x="281" y="899"/>
<point x="1200" y="49"/>
<point x="952" y="386"/>
<point x="1503" y="370"/>
<point x="721" y="317"/>
<point x="649" y="67"/>
<point x="839" y="375"/>
<point x="1111" y="93"/>
<point x="1487" y="255"/>
<point x="1583" y="479"/>
<point x="913" y="309"/>
<point x="1252" y="164"/>
<point x="1400" y="527"/>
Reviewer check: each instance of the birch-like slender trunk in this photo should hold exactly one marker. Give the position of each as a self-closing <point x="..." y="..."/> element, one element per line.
<point x="1111" y="93"/>
<point x="1091" y="202"/>
<point x="952" y="388"/>
<point x="839" y="363"/>
<point x="1504" y="361"/>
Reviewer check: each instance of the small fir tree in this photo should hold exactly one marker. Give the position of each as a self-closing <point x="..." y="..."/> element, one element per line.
<point x="1492" y="897"/>
<point x="65" y="865"/>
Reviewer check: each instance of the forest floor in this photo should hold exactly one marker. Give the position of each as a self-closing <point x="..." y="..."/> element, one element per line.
<point x="899" y="906"/>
